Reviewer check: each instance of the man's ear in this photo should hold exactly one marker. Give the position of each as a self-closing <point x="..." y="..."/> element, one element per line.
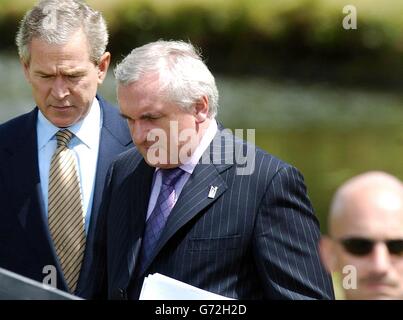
<point x="25" y="68"/>
<point x="103" y="66"/>
<point x="328" y="254"/>
<point x="201" y="109"/>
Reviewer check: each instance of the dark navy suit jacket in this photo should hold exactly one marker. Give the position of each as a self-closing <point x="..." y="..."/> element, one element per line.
<point x="26" y="246"/>
<point x="255" y="239"/>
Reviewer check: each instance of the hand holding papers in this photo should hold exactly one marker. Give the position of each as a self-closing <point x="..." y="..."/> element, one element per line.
<point x="159" y="287"/>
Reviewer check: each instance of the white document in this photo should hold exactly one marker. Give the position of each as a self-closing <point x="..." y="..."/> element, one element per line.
<point x="159" y="287"/>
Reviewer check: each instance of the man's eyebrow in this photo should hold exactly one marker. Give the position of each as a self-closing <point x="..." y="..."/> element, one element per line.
<point x="74" y="72"/>
<point x="43" y="73"/>
<point x="124" y="116"/>
<point x="67" y="73"/>
<point x="148" y="115"/>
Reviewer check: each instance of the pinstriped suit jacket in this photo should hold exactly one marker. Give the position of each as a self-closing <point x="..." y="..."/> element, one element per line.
<point x="257" y="239"/>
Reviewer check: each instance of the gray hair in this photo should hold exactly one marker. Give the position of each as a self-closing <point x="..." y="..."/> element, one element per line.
<point x="183" y="75"/>
<point x="55" y="21"/>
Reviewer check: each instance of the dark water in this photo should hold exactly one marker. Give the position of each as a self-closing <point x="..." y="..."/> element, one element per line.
<point x="329" y="133"/>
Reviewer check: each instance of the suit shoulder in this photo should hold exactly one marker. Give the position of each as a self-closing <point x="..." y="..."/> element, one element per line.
<point x="127" y="161"/>
<point x="109" y="109"/>
<point x="260" y="167"/>
<point x="271" y="170"/>
<point x="261" y="158"/>
<point x="250" y="160"/>
<point x="130" y="155"/>
<point x="17" y="126"/>
<point x="114" y="123"/>
<point x="270" y="160"/>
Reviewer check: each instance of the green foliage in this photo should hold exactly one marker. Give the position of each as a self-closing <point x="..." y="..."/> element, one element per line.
<point x="289" y="38"/>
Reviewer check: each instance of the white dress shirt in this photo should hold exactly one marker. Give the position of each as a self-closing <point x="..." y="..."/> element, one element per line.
<point x="85" y="146"/>
<point x="188" y="167"/>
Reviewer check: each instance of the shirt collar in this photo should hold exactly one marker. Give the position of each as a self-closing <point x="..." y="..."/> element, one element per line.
<point x="83" y="130"/>
<point x="206" y="140"/>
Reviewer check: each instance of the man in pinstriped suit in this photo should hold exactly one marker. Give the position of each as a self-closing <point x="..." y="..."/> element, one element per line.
<point x="241" y="227"/>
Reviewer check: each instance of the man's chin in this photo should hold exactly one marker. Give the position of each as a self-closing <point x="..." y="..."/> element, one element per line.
<point x="380" y="293"/>
<point x="158" y="164"/>
<point x="382" y="296"/>
<point x="152" y="157"/>
<point x="62" y="122"/>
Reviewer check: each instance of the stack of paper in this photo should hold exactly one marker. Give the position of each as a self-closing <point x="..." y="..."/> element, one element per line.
<point x="17" y="287"/>
<point x="159" y="287"/>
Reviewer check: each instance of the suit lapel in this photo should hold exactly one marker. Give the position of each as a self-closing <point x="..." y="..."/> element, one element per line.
<point x="141" y="183"/>
<point x="114" y="137"/>
<point x="195" y="194"/>
<point x="23" y="175"/>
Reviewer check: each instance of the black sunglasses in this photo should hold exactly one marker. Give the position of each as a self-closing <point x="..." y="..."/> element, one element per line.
<point x="363" y="246"/>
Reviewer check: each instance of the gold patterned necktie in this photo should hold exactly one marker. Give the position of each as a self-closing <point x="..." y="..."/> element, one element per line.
<point x="65" y="210"/>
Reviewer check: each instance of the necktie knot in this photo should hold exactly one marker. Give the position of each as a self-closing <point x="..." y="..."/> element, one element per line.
<point x="171" y="176"/>
<point x="63" y="137"/>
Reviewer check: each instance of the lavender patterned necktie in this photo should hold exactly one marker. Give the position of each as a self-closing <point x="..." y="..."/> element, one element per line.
<point x="159" y="216"/>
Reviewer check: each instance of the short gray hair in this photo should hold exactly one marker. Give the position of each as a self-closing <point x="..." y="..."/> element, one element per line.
<point x="183" y="75"/>
<point x="55" y="21"/>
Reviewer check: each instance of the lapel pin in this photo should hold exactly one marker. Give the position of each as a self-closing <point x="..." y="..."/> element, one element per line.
<point x="212" y="192"/>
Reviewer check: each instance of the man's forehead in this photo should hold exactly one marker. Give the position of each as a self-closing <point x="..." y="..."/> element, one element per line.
<point x="368" y="222"/>
<point x="75" y="48"/>
<point x="144" y="87"/>
<point x="148" y="83"/>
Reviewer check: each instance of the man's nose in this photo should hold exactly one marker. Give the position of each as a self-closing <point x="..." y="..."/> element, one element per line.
<point x="380" y="258"/>
<point x="60" y="88"/>
<point x="139" y="132"/>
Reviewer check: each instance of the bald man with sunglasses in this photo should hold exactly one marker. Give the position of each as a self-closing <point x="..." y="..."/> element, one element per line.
<point x="365" y="242"/>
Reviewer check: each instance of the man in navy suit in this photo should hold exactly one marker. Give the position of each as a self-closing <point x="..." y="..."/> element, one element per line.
<point x="62" y="49"/>
<point x="188" y="204"/>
